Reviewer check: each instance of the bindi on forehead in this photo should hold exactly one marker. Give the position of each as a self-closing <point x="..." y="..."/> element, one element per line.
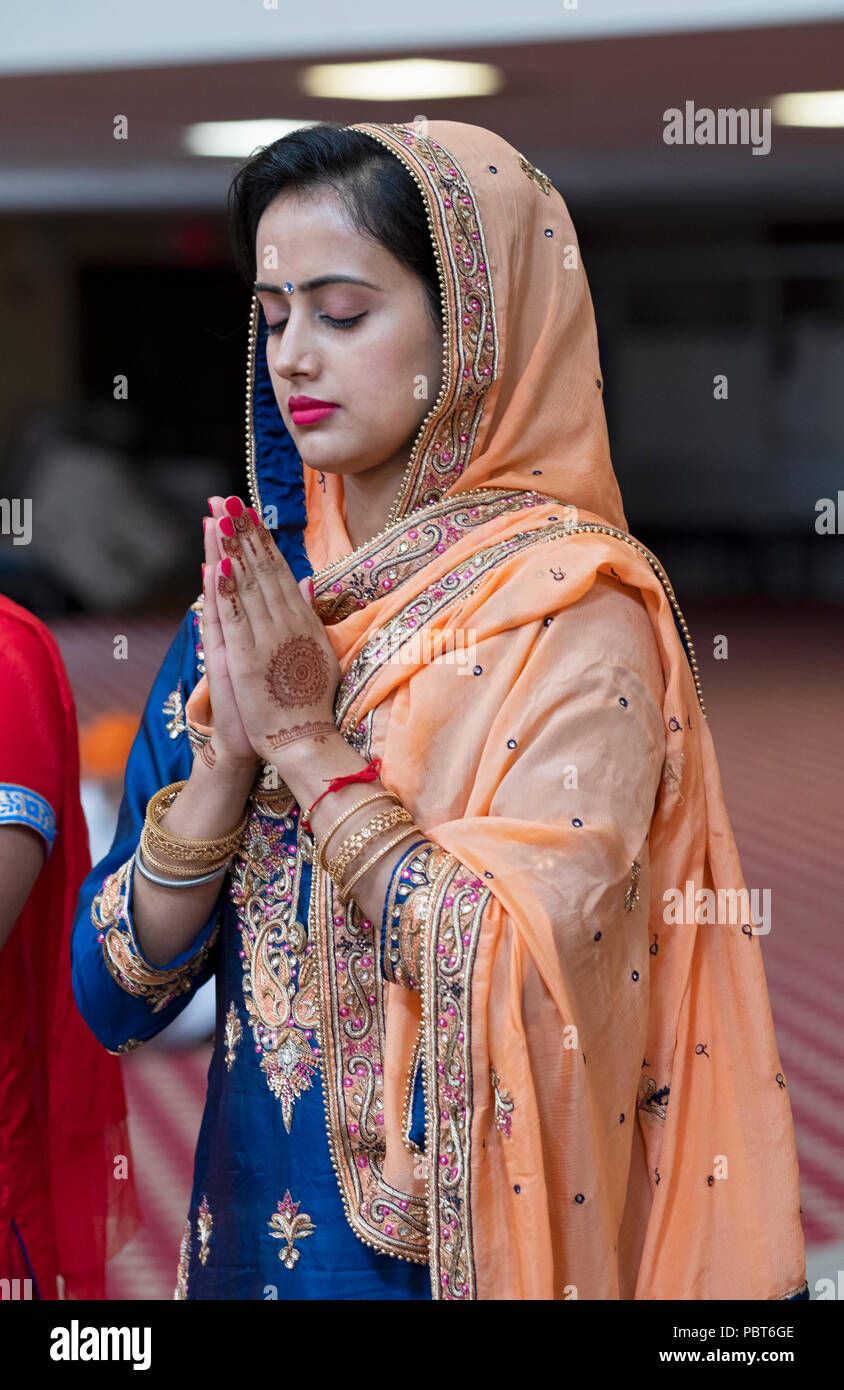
<point x="318" y="283"/>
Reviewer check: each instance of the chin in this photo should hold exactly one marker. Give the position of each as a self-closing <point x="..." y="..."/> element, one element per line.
<point x="331" y="465"/>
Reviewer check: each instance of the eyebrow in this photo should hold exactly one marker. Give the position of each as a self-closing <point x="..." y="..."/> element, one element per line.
<point x="316" y="284"/>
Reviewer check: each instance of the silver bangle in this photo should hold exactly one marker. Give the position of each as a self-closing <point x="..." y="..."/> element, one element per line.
<point x="181" y="882"/>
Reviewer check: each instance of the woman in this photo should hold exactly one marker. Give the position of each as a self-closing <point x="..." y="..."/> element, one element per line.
<point x="67" y="1195"/>
<point x="535" y="1084"/>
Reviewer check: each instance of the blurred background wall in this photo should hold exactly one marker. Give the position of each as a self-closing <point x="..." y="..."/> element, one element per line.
<point x="123" y="342"/>
<point x="704" y="261"/>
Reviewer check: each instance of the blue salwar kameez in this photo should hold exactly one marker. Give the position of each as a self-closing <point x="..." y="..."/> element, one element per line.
<point x="266" y="1217"/>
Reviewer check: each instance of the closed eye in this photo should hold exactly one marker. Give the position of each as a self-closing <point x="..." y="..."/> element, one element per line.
<point x="326" y="318"/>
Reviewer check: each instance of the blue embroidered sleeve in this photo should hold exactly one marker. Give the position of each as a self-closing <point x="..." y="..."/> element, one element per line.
<point x="123" y="998"/>
<point x="22" y="806"/>
<point x="402" y="917"/>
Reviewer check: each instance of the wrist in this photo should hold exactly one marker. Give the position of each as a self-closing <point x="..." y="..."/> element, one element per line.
<point x="223" y="769"/>
<point x="308" y="770"/>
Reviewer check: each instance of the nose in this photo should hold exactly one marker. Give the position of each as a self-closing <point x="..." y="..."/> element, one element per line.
<point x="291" y="353"/>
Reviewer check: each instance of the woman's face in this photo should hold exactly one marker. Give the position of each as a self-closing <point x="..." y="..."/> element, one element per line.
<point x="361" y="339"/>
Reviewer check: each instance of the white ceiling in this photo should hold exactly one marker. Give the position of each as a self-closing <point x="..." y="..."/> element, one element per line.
<point x="68" y="35"/>
<point x="589" y="113"/>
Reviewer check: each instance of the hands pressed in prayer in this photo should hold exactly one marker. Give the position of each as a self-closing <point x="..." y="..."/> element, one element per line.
<point x="269" y="644"/>
<point x="271" y="657"/>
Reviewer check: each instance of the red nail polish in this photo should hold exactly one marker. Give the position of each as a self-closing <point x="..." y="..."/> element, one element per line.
<point x="311" y="582"/>
<point x="254" y="515"/>
<point x="226" y="567"/>
<point x="226" y="525"/>
<point x="233" y="506"/>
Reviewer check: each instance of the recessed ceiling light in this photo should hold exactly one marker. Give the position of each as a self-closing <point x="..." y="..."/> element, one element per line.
<point x="809" y="108"/>
<point x="236" y="139"/>
<point x="402" y="79"/>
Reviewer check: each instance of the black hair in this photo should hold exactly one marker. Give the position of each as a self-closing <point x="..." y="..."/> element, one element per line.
<point x="375" y="188"/>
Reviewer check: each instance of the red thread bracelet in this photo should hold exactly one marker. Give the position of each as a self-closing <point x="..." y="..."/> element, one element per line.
<point x="369" y="774"/>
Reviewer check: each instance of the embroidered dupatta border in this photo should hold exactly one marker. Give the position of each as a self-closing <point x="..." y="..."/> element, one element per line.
<point x="383" y="646"/>
<point x="456" y="908"/>
<point x="447" y="436"/>
<point x="351" y="1042"/>
<point x="393" y="556"/>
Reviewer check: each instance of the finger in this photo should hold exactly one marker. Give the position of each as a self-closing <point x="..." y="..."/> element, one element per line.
<point x="212" y="632"/>
<point x="240" y="551"/>
<point x="213" y="553"/>
<point x="261" y="557"/>
<point x="234" y="621"/>
<point x="272" y="570"/>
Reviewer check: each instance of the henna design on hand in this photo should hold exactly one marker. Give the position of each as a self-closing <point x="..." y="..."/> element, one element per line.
<point x="259" y="529"/>
<point x="297" y="673"/>
<point x="232" y="545"/>
<point x="227" y="589"/>
<point x="315" y="729"/>
<point x="266" y="541"/>
<point x="207" y="754"/>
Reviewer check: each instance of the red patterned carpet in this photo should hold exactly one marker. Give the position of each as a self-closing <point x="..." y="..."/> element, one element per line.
<point x="775" y="710"/>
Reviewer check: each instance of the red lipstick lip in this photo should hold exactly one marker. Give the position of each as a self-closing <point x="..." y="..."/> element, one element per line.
<point x="307" y="403"/>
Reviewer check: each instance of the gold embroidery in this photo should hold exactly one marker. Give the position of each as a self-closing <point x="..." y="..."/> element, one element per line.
<point x="504" y="1104"/>
<point x="386" y="642"/>
<point x="347" y="951"/>
<point x="110" y="915"/>
<point x="390" y="558"/>
<point x="234" y="1032"/>
<point x="425" y="607"/>
<point x="279" y="985"/>
<point x="270" y="796"/>
<point x="792" y="1293"/>
<point x="631" y="897"/>
<point x="360" y="738"/>
<point x="129" y="1046"/>
<point x="174" y="706"/>
<point x="198" y="607"/>
<point x="181" y="1289"/>
<point x="535" y="175"/>
<point x="288" y="1225"/>
<point x="410" y="1085"/>
<point x="457" y="903"/>
<point x="447" y="435"/>
<point x="406" y="909"/>
<point x="204" y="1224"/>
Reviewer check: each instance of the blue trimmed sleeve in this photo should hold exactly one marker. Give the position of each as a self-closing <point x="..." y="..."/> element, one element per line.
<point x="23" y="806"/>
<point x="124" y="999"/>
<point x="405" y="876"/>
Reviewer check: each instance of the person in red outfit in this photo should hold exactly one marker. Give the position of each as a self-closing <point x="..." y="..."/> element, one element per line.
<point x="67" y="1193"/>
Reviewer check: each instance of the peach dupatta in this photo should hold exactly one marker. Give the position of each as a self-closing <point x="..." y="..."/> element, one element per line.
<point x="606" y="1114"/>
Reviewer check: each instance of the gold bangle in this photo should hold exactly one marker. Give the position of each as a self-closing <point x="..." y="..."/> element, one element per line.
<point x="345" y="890"/>
<point x="179" y="847"/>
<point x="354" y="843"/>
<point x="193" y="850"/>
<point x="201" y="864"/>
<point x="198" y="852"/>
<point x="320" y="851"/>
<point x="182" y="882"/>
<point x="156" y="810"/>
